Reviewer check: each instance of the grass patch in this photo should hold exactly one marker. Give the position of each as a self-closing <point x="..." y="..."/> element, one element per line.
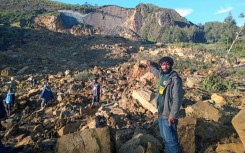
<point x="215" y="83"/>
<point x="84" y="76"/>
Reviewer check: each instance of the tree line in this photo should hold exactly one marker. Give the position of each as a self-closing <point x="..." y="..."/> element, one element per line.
<point x="210" y="32"/>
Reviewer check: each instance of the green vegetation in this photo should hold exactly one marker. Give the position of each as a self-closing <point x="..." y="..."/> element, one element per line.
<point x="83" y="76"/>
<point x="22" y="12"/>
<point x="47" y="5"/>
<point x="10" y="36"/>
<point x="215" y="83"/>
<point x="176" y="29"/>
<point x="17" y="15"/>
<point x="190" y="64"/>
<point x="172" y="28"/>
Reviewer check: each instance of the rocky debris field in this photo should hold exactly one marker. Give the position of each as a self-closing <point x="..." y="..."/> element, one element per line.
<point x="126" y="119"/>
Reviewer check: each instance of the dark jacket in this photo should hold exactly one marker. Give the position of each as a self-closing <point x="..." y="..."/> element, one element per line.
<point x="47" y="94"/>
<point x="172" y="96"/>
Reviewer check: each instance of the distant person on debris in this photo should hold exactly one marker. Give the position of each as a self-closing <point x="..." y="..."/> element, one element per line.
<point x="9" y="100"/>
<point x="46" y="95"/>
<point x="46" y="77"/>
<point x="33" y="80"/>
<point x="168" y="102"/>
<point x="97" y="91"/>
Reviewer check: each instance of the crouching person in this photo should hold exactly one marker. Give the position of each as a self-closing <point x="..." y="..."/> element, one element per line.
<point x="46" y="95"/>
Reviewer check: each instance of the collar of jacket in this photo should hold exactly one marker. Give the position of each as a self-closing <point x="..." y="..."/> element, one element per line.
<point x="172" y="74"/>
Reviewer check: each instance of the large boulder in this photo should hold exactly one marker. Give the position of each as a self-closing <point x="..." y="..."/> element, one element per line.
<point x="146" y="99"/>
<point x="122" y="136"/>
<point x="208" y="131"/>
<point x="206" y="111"/>
<point x="86" y="141"/>
<point x="141" y="143"/>
<point x="239" y="124"/>
<point x="186" y="132"/>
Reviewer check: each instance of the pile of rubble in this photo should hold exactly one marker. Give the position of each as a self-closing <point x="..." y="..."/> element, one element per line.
<point x="126" y="120"/>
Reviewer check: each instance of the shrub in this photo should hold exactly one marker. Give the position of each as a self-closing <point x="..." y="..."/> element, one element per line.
<point x="83" y="76"/>
<point x="215" y="83"/>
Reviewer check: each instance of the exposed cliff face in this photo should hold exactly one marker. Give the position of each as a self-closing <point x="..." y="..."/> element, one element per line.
<point x="145" y="21"/>
<point x="151" y="21"/>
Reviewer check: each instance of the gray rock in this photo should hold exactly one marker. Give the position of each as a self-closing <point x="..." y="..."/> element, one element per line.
<point x="88" y="140"/>
<point x="139" y="144"/>
<point x="69" y="128"/>
<point x="39" y="128"/>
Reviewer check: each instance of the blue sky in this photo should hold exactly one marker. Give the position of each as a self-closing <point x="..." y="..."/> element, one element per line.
<point x="196" y="11"/>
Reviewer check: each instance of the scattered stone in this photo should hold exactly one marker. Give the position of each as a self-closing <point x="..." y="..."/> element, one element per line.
<point x="39" y="128"/>
<point x="122" y="136"/>
<point x="219" y="100"/>
<point x="69" y="128"/>
<point x="27" y="140"/>
<point x="11" y="131"/>
<point x="88" y="140"/>
<point x="230" y="147"/>
<point x="139" y="143"/>
<point x="239" y="124"/>
<point x="206" y="111"/>
<point x="145" y="97"/>
<point x="4" y="72"/>
<point x="48" y="145"/>
<point x="189" y="110"/>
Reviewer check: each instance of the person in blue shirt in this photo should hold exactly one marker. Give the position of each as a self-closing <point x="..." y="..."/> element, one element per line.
<point x="46" y="95"/>
<point x="9" y="100"/>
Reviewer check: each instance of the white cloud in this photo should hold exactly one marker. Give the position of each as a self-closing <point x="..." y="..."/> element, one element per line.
<point x="224" y="10"/>
<point x="184" y="12"/>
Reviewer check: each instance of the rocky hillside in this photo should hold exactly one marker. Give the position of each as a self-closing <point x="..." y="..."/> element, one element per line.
<point x="148" y="21"/>
<point x="145" y="21"/>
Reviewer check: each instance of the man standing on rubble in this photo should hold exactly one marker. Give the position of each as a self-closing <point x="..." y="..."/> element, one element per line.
<point x="169" y="101"/>
<point x="97" y="91"/>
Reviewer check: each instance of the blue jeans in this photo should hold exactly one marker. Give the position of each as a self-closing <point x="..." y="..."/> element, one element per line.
<point x="169" y="135"/>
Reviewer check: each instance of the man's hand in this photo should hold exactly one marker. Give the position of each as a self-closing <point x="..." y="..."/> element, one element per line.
<point x="171" y="121"/>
